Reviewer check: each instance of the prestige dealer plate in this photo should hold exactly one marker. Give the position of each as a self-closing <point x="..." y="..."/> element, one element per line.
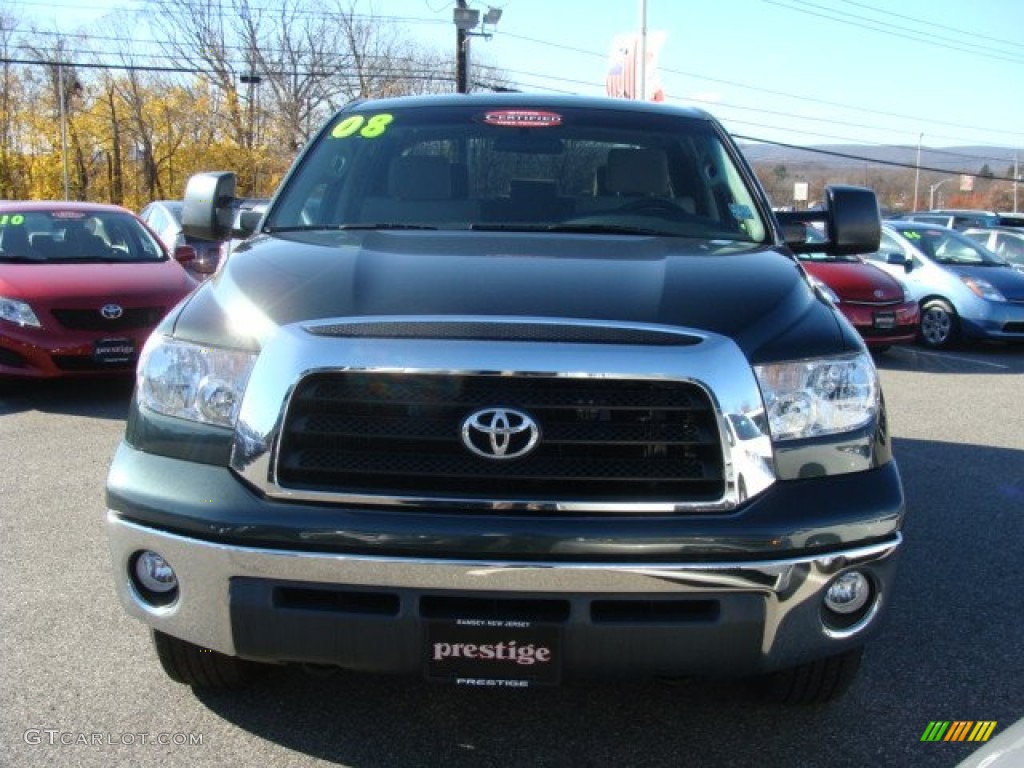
<point x="493" y="653"/>
<point x="114" y="350"/>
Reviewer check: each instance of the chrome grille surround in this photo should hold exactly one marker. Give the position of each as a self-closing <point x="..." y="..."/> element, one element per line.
<point x="714" y="368"/>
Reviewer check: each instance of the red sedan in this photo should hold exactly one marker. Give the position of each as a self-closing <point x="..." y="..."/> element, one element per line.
<point x="82" y="285"/>
<point x="871" y="299"/>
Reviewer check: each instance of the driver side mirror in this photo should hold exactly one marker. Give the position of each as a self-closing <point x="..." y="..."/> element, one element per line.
<point x="184" y="254"/>
<point x="896" y="258"/>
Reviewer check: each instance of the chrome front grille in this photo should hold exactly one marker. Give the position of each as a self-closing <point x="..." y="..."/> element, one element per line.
<point x="603" y="440"/>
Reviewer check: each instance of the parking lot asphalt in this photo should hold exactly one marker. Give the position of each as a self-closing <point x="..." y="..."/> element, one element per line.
<point x="80" y="686"/>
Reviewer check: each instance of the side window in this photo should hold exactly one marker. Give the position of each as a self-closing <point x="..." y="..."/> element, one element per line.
<point x="156" y="220"/>
<point x="887" y="245"/>
<point x="1011" y="247"/>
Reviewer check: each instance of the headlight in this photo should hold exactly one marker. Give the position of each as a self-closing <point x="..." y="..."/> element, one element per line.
<point x="18" y="312"/>
<point x="189" y="381"/>
<point x="983" y="289"/>
<point x="808" y="398"/>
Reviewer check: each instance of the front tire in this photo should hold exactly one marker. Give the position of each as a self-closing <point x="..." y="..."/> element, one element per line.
<point x="939" y="324"/>
<point x="201" y="668"/>
<point x="816" y="682"/>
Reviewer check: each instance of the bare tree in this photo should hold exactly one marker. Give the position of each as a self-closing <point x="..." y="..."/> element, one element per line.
<point x="8" y="126"/>
<point x="65" y="89"/>
<point x="299" y="64"/>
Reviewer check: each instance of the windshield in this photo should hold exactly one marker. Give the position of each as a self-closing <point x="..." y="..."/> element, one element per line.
<point x="815" y="235"/>
<point x="64" y="235"/>
<point x="946" y="246"/>
<point x="473" y="167"/>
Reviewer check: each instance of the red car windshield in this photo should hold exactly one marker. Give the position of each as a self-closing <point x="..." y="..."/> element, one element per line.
<point x="69" y="235"/>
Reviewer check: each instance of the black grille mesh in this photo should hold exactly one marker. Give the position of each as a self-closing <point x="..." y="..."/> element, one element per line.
<point x="92" y="320"/>
<point x="602" y="440"/>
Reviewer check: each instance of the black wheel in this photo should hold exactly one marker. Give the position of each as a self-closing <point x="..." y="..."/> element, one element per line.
<point x="939" y="324"/>
<point x="198" y="667"/>
<point x="815" y="682"/>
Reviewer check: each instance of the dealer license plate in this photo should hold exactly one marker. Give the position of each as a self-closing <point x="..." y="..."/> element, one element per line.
<point x="885" y="321"/>
<point x="493" y="653"/>
<point x="114" y="350"/>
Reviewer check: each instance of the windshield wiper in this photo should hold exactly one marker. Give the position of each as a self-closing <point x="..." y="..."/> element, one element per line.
<point x="346" y="227"/>
<point x="596" y="229"/>
<point x="609" y="229"/>
<point x="26" y="259"/>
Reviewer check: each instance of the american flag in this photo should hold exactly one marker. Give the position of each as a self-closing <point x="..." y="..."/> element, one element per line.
<point x="621" y="80"/>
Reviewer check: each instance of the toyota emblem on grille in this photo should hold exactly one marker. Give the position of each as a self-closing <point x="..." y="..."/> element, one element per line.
<point x="111" y="311"/>
<point x="500" y="433"/>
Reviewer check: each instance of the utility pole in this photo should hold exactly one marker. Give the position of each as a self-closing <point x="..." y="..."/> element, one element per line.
<point x="917" y="173"/>
<point x="642" y="96"/>
<point x="461" y="53"/>
<point x="1017" y="175"/>
<point x="466" y="20"/>
<point x="63" y="127"/>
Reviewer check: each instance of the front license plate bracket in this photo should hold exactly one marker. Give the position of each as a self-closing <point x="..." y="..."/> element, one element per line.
<point x="119" y="350"/>
<point x="493" y="653"/>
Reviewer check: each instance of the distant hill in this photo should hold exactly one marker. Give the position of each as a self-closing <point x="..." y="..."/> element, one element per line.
<point x="967" y="160"/>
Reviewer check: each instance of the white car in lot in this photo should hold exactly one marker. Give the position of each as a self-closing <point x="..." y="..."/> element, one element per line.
<point x="1005" y="242"/>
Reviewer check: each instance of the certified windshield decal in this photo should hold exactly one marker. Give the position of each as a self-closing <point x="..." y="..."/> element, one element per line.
<point x="523" y="118"/>
<point x="67" y="215"/>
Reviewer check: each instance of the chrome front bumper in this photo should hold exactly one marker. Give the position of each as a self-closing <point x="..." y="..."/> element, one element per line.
<point x="787" y="592"/>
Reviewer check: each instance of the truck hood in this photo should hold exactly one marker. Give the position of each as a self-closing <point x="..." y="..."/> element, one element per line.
<point x="755" y="294"/>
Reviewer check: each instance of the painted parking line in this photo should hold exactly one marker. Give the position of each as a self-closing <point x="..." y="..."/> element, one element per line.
<point x="945" y="356"/>
<point x="959" y="359"/>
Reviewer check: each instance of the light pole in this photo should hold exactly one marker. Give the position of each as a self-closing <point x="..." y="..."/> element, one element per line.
<point x="933" y="189"/>
<point x="63" y="127"/>
<point x="252" y="80"/>
<point x="466" y="19"/>
<point x="1016" y="178"/>
<point x="643" y="52"/>
<point x="917" y="171"/>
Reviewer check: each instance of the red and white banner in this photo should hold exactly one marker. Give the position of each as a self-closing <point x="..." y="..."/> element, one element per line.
<point x="623" y="78"/>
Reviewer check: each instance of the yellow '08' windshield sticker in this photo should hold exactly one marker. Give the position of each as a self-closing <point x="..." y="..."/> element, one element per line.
<point x="363" y="126"/>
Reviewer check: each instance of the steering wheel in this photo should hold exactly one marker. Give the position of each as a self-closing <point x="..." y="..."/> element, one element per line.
<point x="654" y="206"/>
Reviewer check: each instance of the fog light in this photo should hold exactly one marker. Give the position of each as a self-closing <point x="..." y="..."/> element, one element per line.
<point x="848" y="594"/>
<point x="155" y="574"/>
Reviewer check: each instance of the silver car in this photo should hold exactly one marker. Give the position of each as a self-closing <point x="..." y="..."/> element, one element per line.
<point x="164" y="218"/>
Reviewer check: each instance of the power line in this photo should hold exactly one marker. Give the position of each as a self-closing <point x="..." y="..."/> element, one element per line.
<point x="862" y="22"/>
<point x="413" y="74"/>
<point x="1016" y="135"/>
<point x="774" y="92"/>
<point x="924" y="22"/>
<point x="432" y="75"/>
<point x="874" y="161"/>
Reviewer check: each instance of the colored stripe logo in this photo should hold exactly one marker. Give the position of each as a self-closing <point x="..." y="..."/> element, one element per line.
<point x="959" y="730"/>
